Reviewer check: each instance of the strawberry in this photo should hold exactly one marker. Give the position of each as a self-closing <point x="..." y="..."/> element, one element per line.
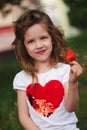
<point x="70" y="55"/>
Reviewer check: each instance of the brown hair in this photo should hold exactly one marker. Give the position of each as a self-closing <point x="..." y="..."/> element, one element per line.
<point x="28" y="19"/>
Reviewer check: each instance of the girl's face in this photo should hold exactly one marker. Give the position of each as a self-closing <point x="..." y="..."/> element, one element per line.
<point x="38" y="43"/>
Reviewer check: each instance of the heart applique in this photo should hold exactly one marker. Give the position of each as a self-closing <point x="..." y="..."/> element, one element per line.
<point x="45" y="99"/>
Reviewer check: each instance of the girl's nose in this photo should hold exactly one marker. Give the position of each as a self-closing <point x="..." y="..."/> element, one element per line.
<point x="39" y="44"/>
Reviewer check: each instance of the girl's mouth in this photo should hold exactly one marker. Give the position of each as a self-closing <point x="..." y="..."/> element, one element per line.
<point x="41" y="52"/>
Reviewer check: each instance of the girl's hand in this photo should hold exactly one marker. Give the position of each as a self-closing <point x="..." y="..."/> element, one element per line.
<point x="75" y="72"/>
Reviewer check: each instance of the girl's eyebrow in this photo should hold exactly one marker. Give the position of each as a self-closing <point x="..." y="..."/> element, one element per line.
<point x="44" y="35"/>
<point x="27" y="40"/>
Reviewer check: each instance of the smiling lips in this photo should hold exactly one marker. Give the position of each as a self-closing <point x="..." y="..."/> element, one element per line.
<point x="41" y="51"/>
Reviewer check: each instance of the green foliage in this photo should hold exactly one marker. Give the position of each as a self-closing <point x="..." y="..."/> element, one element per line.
<point x="78" y="13"/>
<point x="79" y="43"/>
<point x="8" y="105"/>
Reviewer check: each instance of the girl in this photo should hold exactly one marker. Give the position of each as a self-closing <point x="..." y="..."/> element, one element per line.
<point x="47" y="87"/>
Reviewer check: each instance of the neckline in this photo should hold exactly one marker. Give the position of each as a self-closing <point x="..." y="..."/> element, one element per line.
<point x="47" y="72"/>
<point x="44" y="73"/>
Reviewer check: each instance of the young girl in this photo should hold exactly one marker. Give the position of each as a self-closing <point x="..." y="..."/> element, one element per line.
<point x="47" y="87"/>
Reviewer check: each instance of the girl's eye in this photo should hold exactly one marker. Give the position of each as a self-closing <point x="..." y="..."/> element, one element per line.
<point x="31" y="41"/>
<point x="44" y="38"/>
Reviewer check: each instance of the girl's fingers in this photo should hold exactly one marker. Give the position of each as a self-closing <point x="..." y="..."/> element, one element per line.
<point x="76" y="68"/>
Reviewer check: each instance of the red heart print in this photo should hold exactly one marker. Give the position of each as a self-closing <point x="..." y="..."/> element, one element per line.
<point x="45" y="99"/>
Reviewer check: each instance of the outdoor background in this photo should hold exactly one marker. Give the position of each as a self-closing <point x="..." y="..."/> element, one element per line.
<point x="9" y="66"/>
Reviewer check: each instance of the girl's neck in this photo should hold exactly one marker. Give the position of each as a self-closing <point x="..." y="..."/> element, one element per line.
<point x="43" y="67"/>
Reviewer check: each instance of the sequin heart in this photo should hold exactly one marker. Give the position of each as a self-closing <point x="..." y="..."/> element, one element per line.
<point x="45" y="99"/>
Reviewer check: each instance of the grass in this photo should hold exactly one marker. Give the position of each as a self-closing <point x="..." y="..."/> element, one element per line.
<point x="9" y="67"/>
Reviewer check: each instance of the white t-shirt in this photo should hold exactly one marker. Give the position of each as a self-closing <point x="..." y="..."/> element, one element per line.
<point x="45" y="100"/>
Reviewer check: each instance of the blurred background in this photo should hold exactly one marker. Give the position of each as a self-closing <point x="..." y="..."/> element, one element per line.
<point x="72" y="17"/>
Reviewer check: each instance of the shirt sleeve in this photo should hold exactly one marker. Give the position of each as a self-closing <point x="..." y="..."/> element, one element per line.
<point x="18" y="82"/>
<point x="66" y="73"/>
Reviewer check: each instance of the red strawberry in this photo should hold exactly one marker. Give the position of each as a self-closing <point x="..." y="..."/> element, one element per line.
<point x="70" y="55"/>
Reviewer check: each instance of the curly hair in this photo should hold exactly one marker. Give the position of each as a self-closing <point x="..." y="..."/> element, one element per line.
<point x="28" y="19"/>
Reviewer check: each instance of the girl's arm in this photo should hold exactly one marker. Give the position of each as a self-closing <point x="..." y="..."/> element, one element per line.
<point x="71" y="97"/>
<point x="23" y="112"/>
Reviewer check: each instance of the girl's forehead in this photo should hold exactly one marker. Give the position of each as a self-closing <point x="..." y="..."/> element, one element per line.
<point x="36" y="30"/>
<point x="37" y="27"/>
